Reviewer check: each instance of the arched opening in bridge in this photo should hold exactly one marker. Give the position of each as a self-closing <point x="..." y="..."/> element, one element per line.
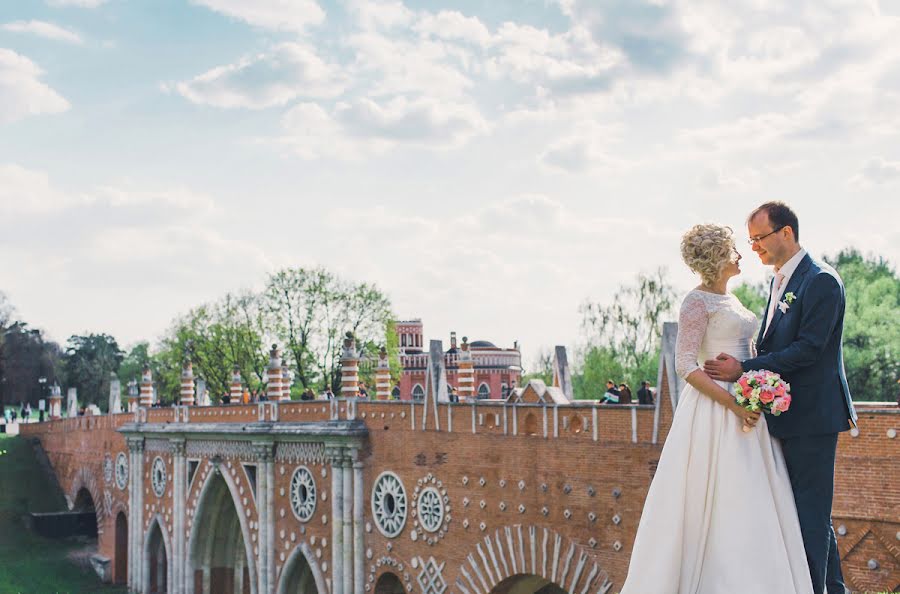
<point x="525" y="583"/>
<point x="218" y="551"/>
<point x="156" y="563"/>
<point x="86" y="513"/>
<point x="298" y="576"/>
<point x="120" y="564"/>
<point x="389" y="583"/>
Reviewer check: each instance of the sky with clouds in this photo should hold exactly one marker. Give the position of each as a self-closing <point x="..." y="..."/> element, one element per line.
<point x="489" y="165"/>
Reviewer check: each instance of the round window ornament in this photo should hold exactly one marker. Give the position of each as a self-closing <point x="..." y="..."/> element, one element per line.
<point x="389" y="504"/>
<point x="158" y="476"/>
<point x="303" y="494"/>
<point x="121" y="471"/>
<point x="430" y="509"/>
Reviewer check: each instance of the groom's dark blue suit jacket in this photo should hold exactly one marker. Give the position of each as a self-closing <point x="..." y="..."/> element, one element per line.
<point x="803" y="345"/>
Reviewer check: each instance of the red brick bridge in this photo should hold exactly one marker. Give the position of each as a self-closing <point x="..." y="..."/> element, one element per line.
<point x="351" y="496"/>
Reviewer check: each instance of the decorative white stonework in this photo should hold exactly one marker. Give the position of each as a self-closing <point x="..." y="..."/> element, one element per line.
<point x="300" y="453"/>
<point x="121" y="471"/>
<point x="303" y="494"/>
<point x="431" y="578"/>
<point x="208" y="448"/>
<point x="389" y="504"/>
<point x="161" y="446"/>
<point x="430" y="509"/>
<point x="108" y="469"/>
<point x="158" y="476"/>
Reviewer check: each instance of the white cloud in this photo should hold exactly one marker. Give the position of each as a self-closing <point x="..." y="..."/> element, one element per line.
<point x="280" y="15"/>
<point x="398" y="66"/>
<point x="453" y="25"/>
<point x="43" y="29"/>
<point x="876" y="172"/>
<point x="375" y="15"/>
<point x="29" y="192"/>
<point x="362" y="127"/>
<point x="288" y="72"/>
<point x="78" y="3"/>
<point x="588" y="149"/>
<point x="21" y="92"/>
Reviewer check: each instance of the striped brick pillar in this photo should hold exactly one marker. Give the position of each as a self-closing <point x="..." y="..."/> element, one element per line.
<point x="237" y="389"/>
<point x="466" y="372"/>
<point x="349" y="368"/>
<point x="55" y="402"/>
<point x="286" y="379"/>
<point x="273" y="375"/>
<point x="187" y="384"/>
<point x="146" y="398"/>
<point x="132" y="396"/>
<point x="383" y="377"/>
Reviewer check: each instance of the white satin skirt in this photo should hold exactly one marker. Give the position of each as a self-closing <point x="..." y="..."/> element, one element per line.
<point x="720" y="516"/>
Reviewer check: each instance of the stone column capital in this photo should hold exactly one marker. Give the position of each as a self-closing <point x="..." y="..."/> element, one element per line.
<point x="264" y="452"/>
<point x="136" y="444"/>
<point x="178" y="446"/>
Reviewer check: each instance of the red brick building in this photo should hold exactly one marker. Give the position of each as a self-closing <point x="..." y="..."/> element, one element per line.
<point x="497" y="369"/>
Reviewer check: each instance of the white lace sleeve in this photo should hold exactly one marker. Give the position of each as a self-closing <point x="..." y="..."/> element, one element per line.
<point x="692" y="322"/>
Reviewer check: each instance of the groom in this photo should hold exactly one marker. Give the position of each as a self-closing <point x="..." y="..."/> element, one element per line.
<point x="800" y="338"/>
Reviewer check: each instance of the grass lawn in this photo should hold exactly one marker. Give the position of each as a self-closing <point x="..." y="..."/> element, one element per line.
<point x="30" y="564"/>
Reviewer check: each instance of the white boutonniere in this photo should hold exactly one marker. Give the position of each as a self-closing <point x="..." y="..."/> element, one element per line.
<point x="785" y="304"/>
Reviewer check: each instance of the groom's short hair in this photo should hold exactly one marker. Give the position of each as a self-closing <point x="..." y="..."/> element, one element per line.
<point x="780" y="215"/>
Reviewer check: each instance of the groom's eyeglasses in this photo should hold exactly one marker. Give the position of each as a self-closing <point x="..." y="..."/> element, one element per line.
<point x="753" y="240"/>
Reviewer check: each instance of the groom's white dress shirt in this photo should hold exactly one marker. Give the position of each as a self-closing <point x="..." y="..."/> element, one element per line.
<point x="782" y="277"/>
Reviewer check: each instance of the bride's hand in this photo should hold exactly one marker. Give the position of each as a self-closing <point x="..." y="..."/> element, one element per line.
<point x="748" y="417"/>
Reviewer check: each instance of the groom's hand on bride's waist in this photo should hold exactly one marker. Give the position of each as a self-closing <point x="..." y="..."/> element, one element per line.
<point x="723" y="368"/>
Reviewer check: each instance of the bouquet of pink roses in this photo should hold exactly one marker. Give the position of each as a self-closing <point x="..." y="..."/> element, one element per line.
<point x="763" y="390"/>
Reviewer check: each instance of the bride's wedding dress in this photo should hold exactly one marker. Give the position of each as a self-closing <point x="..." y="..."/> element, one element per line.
<point x="720" y="516"/>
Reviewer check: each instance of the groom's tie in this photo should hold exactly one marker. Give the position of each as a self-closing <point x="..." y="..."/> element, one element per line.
<point x="773" y="299"/>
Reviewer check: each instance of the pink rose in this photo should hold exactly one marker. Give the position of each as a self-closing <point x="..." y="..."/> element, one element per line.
<point x="778" y="406"/>
<point x="745" y="385"/>
<point x="766" y="396"/>
<point x="780" y="391"/>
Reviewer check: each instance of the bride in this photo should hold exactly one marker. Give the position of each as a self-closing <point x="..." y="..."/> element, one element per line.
<point x="720" y="514"/>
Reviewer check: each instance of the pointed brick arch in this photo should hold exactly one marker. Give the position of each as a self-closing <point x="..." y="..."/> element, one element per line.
<point x="217" y="472"/>
<point x="157" y="524"/>
<point x="531" y="550"/>
<point x="302" y="554"/>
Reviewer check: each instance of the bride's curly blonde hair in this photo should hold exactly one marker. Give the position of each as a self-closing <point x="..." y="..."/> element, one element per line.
<point x="707" y="249"/>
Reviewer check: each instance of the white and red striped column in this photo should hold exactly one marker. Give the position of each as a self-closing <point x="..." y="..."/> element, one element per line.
<point x="273" y="375"/>
<point x="383" y="377"/>
<point x="286" y="378"/>
<point x="349" y="368"/>
<point x="466" y="372"/>
<point x="187" y="384"/>
<point x="146" y="397"/>
<point x="236" y="391"/>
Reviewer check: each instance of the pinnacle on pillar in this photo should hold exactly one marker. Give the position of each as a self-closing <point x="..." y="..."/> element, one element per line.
<point x="466" y="372"/>
<point x="349" y="367"/>
<point x="236" y="390"/>
<point x="146" y="398"/>
<point x="273" y="375"/>
<point x="187" y="384"/>
<point x="286" y="379"/>
<point x="383" y="376"/>
<point x="55" y="402"/>
<point x="132" y="395"/>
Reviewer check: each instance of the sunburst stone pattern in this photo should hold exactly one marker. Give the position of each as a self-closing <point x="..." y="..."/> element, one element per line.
<point x="389" y="504"/>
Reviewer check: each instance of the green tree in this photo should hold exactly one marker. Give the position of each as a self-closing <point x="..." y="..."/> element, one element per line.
<point x="88" y="362"/>
<point x="310" y="310"/>
<point x="623" y="338"/>
<point x="753" y="296"/>
<point x="216" y="337"/>
<point x="871" y="324"/>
